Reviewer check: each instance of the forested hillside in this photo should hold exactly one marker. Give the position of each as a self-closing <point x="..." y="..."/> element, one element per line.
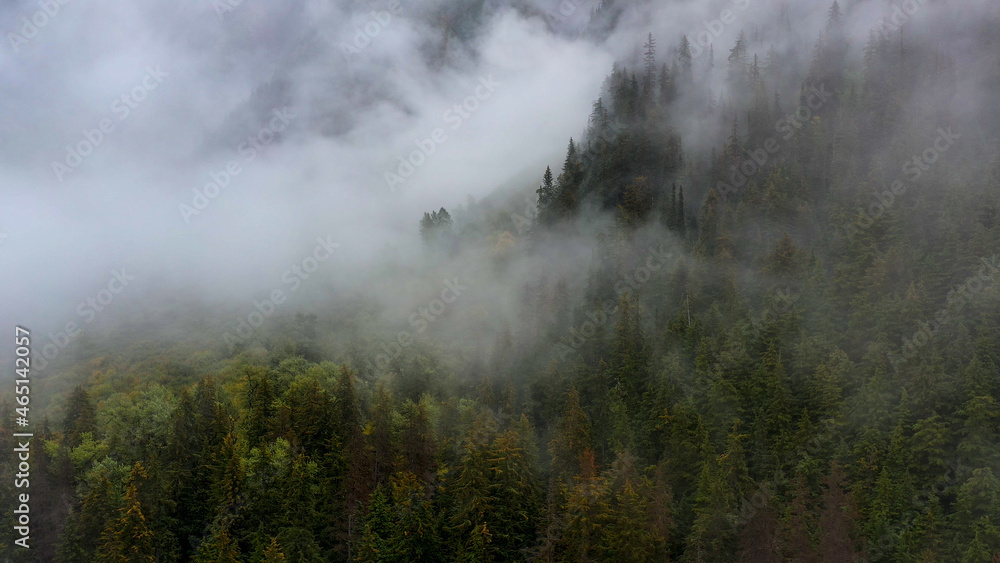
<point x="753" y="316"/>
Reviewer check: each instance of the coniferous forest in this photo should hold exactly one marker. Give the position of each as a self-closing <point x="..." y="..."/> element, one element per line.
<point x="751" y="313"/>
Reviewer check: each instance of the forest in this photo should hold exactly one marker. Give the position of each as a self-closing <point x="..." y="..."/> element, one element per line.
<point x="753" y="316"/>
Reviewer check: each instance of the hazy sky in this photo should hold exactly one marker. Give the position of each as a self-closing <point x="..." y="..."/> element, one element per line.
<point x="180" y="85"/>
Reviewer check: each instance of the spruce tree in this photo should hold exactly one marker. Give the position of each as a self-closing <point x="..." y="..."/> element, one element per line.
<point x="129" y="537"/>
<point x="649" y="68"/>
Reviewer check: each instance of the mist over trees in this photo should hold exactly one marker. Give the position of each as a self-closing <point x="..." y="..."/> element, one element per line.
<point x="750" y="314"/>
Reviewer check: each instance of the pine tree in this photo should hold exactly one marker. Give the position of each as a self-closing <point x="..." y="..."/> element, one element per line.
<point x="585" y="512"/>
<point x="666" y="87"/>
<point x="636" y="203"/>
<point x="599" y="122"/>
<point x="649" y="64"/>
<point x="711" y="539"/>
<point x="784" y="260"/>
<point x="80" y="417"/>
<point x="573" y="436"/>
<point x="227" y="477"/>
<point x="129" y="538"/>
<point x="186" y="473"/>
<point x="260" y="407"/>
<point x="681" y="220"/>
<point x="676" y="80"/>
<point x="631" y="358"/>
<point x="627" y="535"/>
<point x="299" y="514"/>
<point x="684" y="56"/>
<point x="834" y="18"/>
<point x="977" y="516"/>
<point x="435" y="227"/>
<point x="980" y="432"/>
<point x="358" y="482"/>
<point x="669" y="212"/>
<point x="514" y="518"/>
<point x="568" y="192"/>
<point x="273" y="553"/>
<point x="418" y="443"/>
<point x="415" y="535"/>
<point x="473" y="504"/>
<point x="219" y="547"/>
<point x="379" y="527"/>
<point x="796" y="534"/>
<point x="738" y="68"/>
<point x="546" y="194"/>
<point x="380" y="432"/>
<point x="767" y="410"/>
<point x="837" y="520"/>
<point x="760" y="122"/>
<point x="758" y="537"/>
<point x="733" y="152"/>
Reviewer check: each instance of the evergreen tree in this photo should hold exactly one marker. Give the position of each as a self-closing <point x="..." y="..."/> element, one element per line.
<point x="415" y="534"/>
<point x="796" y="527"/>
<point x="129" y="537"/>
<point x="219" y="547"/>
<point x="834" y="17"/>
<point x="573" y="436"/>
<point x="758" y="538"/>
<point x="586" y="510"/>
<point x="80" y="417"/>
<point x="837" y="520"/>
<point x="546" y="196"/>
<point x="711" y="539"/>
<point x="649" y="66"/>
<point x="681" y="220"/>
<point x="568" y="192"/>
<point x="666" y="85"/>
<point x="684" y="56"/>
<point x="379" y="528"/>
<point x="273" y="553"/>
<point x="738" y="68"/>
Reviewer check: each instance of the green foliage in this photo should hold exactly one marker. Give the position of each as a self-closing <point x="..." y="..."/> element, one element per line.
<point x="785" y="392"/>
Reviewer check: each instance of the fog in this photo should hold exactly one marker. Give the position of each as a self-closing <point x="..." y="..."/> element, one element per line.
<point x="210" y="77"/>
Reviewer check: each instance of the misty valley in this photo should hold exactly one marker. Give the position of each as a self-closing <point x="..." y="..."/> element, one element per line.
<point x="501" y="280"/>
